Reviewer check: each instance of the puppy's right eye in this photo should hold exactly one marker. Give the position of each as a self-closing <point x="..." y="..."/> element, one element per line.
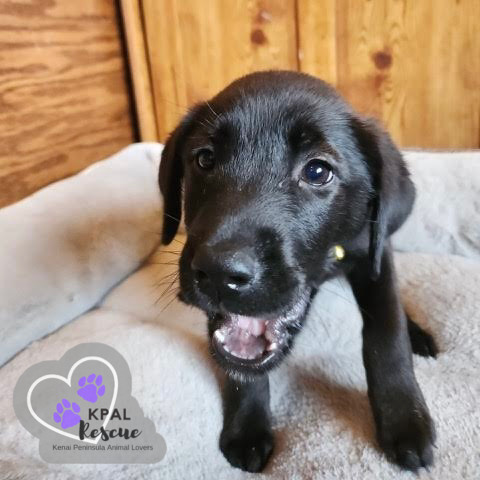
<point x="317" y="172"/>
<point x="204" y="159"/>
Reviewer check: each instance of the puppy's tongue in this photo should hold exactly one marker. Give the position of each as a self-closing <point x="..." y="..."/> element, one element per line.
<point x="244" y="337"/>
<point x="253" y="326"/>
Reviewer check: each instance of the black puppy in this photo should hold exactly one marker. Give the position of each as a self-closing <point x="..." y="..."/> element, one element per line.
<point x="281" y="179"/>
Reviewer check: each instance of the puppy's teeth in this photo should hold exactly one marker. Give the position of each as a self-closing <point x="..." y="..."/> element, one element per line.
<point x="219" y="335"/>
<point x="227" y="349"/>
<point x="272" y="346"/>
<point x="258" y="327"/>
<point x="269" y="336"/>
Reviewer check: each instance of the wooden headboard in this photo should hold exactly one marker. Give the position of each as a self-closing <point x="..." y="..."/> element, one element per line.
<point x="64" y="94"/>
<point x="64" y="100"/>
<point x="414" y="64"/>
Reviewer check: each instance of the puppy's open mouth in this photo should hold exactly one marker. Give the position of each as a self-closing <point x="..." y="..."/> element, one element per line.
<point x="249" y="338"/>
<point x="252" y="341"/>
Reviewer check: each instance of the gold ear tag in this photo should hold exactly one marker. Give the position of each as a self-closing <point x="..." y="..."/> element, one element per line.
<point x="339" y="252"/>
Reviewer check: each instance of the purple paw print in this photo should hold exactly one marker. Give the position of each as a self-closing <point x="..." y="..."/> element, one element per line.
<point x="67" y="414"/>
<point x="91" y="389"/>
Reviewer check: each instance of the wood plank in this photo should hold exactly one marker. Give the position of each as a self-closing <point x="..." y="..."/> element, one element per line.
<point x="197" y="48"/>
<point x="63" y="96"/>
<point x="316" y="37"/>
<point x="139" y="69"/>
<point x="415" y="65"/>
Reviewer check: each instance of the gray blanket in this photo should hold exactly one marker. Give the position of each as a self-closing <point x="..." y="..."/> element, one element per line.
<point x="323" y="423"/>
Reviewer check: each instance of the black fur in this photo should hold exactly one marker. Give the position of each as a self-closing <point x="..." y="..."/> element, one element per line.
<point x="253" y="204"/>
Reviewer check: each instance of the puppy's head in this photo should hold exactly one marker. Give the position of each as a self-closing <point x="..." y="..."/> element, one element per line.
<point x="276" y="170"/>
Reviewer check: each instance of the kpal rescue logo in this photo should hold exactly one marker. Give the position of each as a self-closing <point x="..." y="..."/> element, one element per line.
<point x="81" y="409"/>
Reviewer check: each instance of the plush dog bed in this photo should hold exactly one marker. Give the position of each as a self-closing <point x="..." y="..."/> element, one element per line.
<point x="64" y="250"/>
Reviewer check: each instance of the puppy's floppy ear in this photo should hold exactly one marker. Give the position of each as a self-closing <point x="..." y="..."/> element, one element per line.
<point x="171" y="174"/>
<point x="394" y="192"/>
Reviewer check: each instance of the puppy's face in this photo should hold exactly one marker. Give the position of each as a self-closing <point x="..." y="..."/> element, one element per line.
<point x="273" y="178"/>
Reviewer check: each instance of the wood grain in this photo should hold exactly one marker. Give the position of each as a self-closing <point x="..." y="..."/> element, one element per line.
<point x="317" y="52"/>
<point x="414" y="64"/>
<point x="63" y="96"/>
<point x="139" y="69"/>
<point x="197" y="47"/>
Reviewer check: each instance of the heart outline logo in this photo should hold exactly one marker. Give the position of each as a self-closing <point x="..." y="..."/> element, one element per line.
<point x="68" y="381"/>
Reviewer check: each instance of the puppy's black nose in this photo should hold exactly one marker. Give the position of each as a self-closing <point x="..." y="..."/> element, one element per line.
<point x="221" y="268"/>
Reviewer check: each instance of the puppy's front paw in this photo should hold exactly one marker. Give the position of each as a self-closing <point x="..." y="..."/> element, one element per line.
<point x="247" y="450"/>
<point x="409" y="441"/>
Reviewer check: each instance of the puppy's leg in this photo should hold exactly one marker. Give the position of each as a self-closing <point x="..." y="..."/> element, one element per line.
<point x="246" y="439"/>
<point x="405" y="430"/>
<point x="422" y="342"/>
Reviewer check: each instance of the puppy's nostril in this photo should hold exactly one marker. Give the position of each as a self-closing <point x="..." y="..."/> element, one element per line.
<point x="218" y="268"/>
<point x="200" y="275"/>
<point x="238" y="280"/>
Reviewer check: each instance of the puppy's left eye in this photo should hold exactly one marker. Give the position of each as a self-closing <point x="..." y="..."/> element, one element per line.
<point x="317" y="172"/>
<point x="205" y="159"/>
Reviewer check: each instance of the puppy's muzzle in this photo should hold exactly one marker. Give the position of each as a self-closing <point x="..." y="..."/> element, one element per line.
<point x="236" y="279"/>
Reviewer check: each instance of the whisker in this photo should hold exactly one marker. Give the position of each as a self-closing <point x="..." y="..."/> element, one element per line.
<point x="180" y="242"/>
<point x="165" y="293"/>
<point x="173" y="263"/>
<point x="166" y="278"/>
<point x="169" y="303"/>
<point x="158" y="285"/>
<point x="212" y="110"/>
<point x="171" y="216"/>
